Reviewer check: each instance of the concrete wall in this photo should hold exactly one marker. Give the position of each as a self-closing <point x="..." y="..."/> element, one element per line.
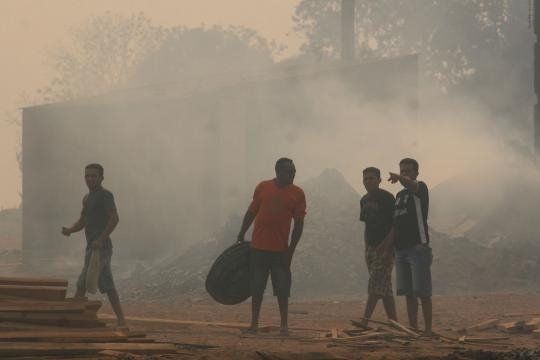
<point x="179" y="167"/>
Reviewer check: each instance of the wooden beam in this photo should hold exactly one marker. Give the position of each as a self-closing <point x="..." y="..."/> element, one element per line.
<point x="34" y="292"/>
<point x="42" y="308"/>
<point x="234" y="325"/>
<point x="484" y="325"/>
<point x="33" y="349"/>
<point x="105" y="335"/>
<point x="33" y="281"/>
<point x="403" y="328"/>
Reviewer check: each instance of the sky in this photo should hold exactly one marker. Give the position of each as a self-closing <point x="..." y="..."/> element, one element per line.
<point x="31" y="29"/>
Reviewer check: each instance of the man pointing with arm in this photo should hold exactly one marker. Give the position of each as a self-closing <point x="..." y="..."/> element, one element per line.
<point x="411" y="241"/>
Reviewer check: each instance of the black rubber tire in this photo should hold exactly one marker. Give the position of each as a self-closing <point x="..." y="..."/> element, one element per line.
<point x="228" y="280"/>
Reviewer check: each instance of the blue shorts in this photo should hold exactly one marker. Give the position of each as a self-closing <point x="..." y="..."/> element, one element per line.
<point x="413" y="271"/>
<point x="105" y="282"/>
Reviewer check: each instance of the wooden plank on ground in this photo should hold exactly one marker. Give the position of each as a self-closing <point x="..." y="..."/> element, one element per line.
<point x="53" y="319"/>
<point x="104" y="335"/>
<point x="372" y="335"/>
<point x="87" y="304"/>
<point x="42" y="307"/>
<point x="234" y="325"/>
<point x="531" y="325"/>
<point x="26" y="281"/>
<point x="34" y="292"/>
<point x="484" y="325"/>
<point x="511" y="327"/>
<point x="403" y="328"/>
<point x="90" y="304"/>
<point x="34" y="348"/>
<point x="53" y="316"/>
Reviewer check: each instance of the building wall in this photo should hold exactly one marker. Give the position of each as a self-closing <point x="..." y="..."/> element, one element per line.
<point x="179" y="167"/>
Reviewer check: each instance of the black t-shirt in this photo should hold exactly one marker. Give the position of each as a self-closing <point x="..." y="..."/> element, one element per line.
<point x="410" y="217"/>
<point x="97" y="205"/>
<point x="377" y="211"/>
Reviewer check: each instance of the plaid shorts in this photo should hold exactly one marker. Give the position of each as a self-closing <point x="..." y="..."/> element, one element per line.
<point x="380" y="272"/>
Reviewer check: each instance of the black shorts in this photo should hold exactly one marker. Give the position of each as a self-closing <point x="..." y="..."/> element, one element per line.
<point x="261" y="264"/>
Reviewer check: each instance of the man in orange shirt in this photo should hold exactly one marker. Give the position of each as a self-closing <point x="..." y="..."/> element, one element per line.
<point x="275" y="203"/>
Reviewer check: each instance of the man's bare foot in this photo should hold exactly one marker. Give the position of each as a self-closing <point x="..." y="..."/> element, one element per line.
<point x="363" y="324"/>
<point x="252" y="330"/>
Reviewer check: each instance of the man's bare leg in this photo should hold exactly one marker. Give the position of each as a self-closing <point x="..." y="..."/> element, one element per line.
<point x="283" y="302"/>
<point x="427" y="311"/>
<point x="256" y="304"/>
<point x="412" y="311"/>
<point x="114" y="299"/>
<point x="371" y="303"/>
<point x="390" y="307"/>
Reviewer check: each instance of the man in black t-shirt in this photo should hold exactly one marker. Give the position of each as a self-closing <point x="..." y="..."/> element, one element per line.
<point x="98" y="219"/>
<point x="377" y="211"/>
<point x="411" y="242"/>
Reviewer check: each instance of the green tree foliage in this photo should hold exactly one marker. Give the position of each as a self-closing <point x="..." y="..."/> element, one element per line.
<point x="112" y="51"/>
<point x="454" y="37"/>
<point x="194" y="55"/>
<point x="104" y="54"/>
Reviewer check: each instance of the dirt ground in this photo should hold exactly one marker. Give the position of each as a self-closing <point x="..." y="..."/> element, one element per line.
<point x="451" y="313"/>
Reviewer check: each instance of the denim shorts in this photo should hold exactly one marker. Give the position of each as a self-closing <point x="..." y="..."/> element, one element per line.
<point x="413" y="271"/>
<point x="263" y="263"/>
<point x="105" y="282"/>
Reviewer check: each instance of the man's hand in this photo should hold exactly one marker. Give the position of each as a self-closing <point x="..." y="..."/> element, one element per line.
<point x="393" y="178"/>
<point x="97" y="244"/>
<point x="66" y="231"/>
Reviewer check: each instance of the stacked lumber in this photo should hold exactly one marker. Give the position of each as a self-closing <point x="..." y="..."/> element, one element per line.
<point x="36" y="318"/>
<point x="394" y="335"/>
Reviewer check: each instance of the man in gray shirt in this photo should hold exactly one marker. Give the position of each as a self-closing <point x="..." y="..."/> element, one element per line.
<point x="98" y="219"/>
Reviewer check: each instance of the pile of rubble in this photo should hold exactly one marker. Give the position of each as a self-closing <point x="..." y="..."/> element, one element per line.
<point x="331" y="248"/>
<point x="329" y="261"/>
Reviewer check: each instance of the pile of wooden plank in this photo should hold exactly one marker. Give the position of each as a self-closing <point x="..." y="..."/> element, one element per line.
<point x="525" y="325"/>
<point x="36" y="318"/>
<point x="394" y="335"/>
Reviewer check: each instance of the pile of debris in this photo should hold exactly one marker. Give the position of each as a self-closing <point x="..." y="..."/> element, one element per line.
<point x="331" y="248"/>
<point x="329" y="261"/>
<point x="394" y="335"/>
<point x="36" y="318"/>
<point x="521" y="326"/>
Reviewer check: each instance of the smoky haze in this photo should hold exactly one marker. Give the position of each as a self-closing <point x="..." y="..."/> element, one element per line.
<point x="184" y="142"/>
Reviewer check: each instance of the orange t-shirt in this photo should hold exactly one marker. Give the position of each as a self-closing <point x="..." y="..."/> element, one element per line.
<point x="275" y="207"/>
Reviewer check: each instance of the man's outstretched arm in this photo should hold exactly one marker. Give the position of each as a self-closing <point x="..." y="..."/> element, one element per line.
<point x="410" y="184"/>
<point x="78" y="226"/>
